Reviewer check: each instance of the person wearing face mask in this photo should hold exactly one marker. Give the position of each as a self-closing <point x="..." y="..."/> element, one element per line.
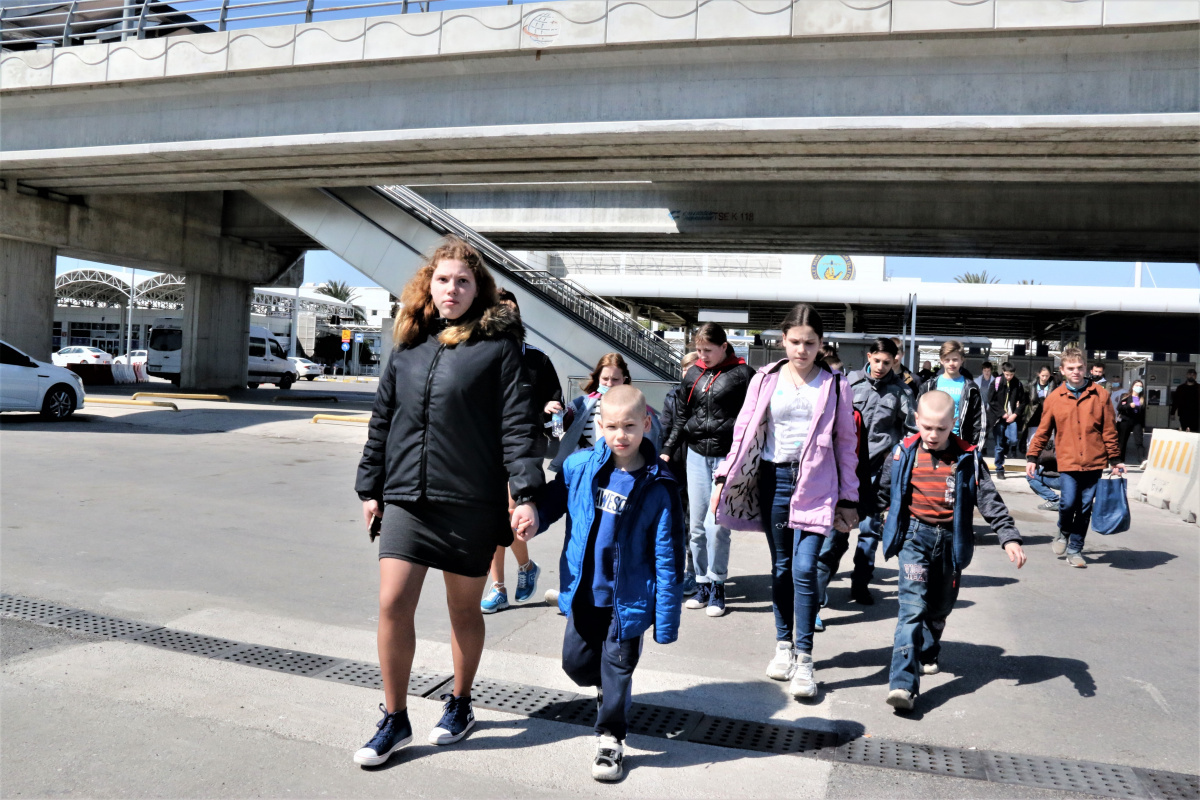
<point x="709" y="399"/>
<point x="582" y="418"/>
<point x="1131" y="420"/>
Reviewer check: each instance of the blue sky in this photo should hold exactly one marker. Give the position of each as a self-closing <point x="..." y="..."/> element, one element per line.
<point x="321" y="266"/>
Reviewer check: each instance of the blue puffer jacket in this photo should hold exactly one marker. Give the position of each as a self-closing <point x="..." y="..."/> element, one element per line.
<point x="649" y="541"/>
<point x="973" y="488"/>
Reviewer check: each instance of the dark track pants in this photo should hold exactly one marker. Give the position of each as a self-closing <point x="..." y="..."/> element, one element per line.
<point x="592" y="655"/>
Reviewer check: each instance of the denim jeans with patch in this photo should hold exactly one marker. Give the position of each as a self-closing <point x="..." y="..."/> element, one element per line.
<point x="928" y="587"/>
<point x="1075" y="505"/>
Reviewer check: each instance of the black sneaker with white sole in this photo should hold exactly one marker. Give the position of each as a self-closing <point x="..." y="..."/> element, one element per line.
<point x="458" y="717"/>
<point x="395" y="731"/>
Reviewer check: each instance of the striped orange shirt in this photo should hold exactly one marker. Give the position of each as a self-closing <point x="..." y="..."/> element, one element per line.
<point x="933" y="486"/>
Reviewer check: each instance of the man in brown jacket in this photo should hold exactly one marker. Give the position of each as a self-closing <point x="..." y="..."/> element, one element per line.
<point x="1081" y="416"/>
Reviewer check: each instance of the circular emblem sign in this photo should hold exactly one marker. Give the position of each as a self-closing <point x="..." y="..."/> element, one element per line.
<point x="832" y="268"/>
<point x="542" y="28"/>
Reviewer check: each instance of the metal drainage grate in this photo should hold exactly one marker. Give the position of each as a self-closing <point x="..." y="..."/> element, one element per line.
<point x="948" y="761"/>
<point x="1169" y="785"/>
<point x="184" y="642"/>
<point x="662" y="721"/>
<point x="747" y="735"/>
<point x="580" y="711"/>
<point x="87" y="622"/>
<point x="423" y="684"/>
<point x="515" y="698"/>
<point x="33" y="610"/>
<point x="1068" y="776"/>
<point x="292" y="662"/>
<point x="356" y="673"/>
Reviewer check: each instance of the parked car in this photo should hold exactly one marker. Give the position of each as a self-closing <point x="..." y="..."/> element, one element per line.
<point x="80" y="355"/>
<point x="307" y="369"/>
<point x="27" y="384"/>
<point x="139" y="357"/>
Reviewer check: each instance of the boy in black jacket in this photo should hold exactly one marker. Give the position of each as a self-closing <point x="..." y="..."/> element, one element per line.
<point x="1007" y="405"/>
<point x="935" y="483"/>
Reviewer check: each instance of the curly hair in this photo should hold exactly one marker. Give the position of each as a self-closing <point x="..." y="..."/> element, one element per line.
<point x="417" y="311"/>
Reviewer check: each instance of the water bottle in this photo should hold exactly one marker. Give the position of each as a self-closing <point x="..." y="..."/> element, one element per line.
<point x="556" y="425"/>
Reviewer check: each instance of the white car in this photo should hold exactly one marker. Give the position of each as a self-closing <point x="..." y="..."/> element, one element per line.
<point x="80" y="355"/>
<point x="139" y="357"/>
<point x="27" y="384"/>
<point x="307" y="369"/>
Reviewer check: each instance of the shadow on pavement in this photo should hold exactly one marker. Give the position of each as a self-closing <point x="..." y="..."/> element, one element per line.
<point x="186" y="422"/>
<point x="1132" y="559"/>
<point x="973" y="667"/>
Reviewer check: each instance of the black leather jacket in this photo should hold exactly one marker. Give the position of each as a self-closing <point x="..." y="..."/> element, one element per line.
<point x="454" y="423"/>
<point x="706" y="408"/>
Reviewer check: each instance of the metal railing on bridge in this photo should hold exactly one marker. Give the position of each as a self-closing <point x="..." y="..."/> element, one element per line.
<point x="625" y="333"/>
<point x="26" y="24"/>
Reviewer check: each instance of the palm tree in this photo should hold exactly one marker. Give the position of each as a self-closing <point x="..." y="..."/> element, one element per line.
<point x="1029" y="283"/>
<point x="975" y="277"/>
<point x="340" y="290"/>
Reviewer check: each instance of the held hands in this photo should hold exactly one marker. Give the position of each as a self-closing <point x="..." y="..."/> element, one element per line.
<point x="845" y="519"/>
<point x="1016" y="554"/>
<point x="525" y="521"/>
<point x="370" y="511"/>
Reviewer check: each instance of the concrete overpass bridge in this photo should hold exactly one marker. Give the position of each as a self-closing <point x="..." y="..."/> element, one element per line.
<point x="1006" y="128"/>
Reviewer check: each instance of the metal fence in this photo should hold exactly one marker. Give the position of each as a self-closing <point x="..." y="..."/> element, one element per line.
<point x="590" y="309"/>
<point x="61" y="24"/>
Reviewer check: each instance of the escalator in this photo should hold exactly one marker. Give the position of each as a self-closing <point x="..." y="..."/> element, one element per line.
<point x="385" y="231"/>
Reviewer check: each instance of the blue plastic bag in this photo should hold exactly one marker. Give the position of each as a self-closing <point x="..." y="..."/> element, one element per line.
<point x="1110" y="514"/>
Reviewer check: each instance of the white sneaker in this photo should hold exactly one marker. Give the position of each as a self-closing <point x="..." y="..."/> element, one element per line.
<point x="804" y="681"/>
<point x="609" y="754"/>
<point x="551" y="597"/>
<point x="930" y="669"/>
<point x="900" y="699"/>
<point x="783" y="665"/>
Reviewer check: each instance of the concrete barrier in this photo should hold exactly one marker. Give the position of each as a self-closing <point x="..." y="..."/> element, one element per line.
<point x="1172" y="476"/>
<point x="93" y="374"/>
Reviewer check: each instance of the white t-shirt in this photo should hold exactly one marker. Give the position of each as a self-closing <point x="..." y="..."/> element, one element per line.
<point x="790" y="417"/>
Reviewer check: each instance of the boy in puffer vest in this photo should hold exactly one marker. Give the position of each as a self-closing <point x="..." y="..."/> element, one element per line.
<point x="621" y="570"/>
<point x="935" y="483"/>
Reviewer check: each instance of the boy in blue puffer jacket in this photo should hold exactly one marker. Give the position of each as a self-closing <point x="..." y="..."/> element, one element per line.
<point x="935" y="482"/>
<point x="621" y="569"/>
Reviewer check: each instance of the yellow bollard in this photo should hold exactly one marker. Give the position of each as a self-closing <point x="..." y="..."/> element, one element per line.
<point x="216" y="397"/>
<point x="117" y="402"/>
<point x="356" y="418"/>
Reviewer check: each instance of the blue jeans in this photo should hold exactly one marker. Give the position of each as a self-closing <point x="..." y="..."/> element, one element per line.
<point x="1005" y="434"/>
<point x="708" y="541"/>
<point x="1044" y="486"/>
<point x="1075" y="506"/>
<point x="870" y="530"/>
<point x="793" y="558"/>
<point x="928" y="587"/>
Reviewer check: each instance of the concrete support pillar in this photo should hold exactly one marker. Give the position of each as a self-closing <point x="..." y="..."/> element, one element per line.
<point x="848" y="316"/>
<point x="216" y="332"/>
<point x="27" y="296"/>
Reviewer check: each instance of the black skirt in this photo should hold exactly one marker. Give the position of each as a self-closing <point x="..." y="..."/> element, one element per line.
<point x="453" y="538"/>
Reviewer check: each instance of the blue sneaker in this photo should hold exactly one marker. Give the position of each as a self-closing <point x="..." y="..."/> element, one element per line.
<point x="495" y="600"/>
<point x="689" y="584"/>
<point x="395" y="732"/>
<point x="458" y="717"/>
<point x="818" y="625"/>
<point x="527" y="582"/>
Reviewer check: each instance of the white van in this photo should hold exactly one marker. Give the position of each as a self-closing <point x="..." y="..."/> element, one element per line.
<point x="266" y="361"/>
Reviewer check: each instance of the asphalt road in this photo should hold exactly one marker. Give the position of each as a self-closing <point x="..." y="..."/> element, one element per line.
<point x="240" y="521"/>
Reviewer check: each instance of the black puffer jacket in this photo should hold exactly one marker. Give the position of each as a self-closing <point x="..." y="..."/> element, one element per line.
<point x="454" y="423"/>
<point x="707" y="406"/>
<point x="970" y="412"/>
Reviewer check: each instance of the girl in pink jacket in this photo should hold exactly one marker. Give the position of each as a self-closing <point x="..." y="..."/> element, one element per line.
<point x="791" y="473"/>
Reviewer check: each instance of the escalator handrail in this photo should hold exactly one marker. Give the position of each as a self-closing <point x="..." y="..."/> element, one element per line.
<point x="654" y="353"/>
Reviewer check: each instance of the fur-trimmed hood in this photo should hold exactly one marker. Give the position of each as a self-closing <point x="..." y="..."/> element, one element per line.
<point x="497" y="321"/>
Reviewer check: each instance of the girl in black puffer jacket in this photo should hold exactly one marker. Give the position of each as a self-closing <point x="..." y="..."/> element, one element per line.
<point x="707" y="405"/>
<point x="453" y="423"/>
